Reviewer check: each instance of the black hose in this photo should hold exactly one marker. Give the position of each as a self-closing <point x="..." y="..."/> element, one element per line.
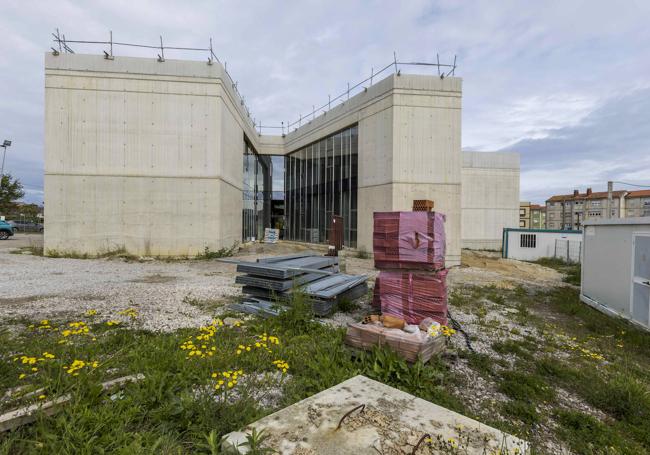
<point x="457" y="327"/>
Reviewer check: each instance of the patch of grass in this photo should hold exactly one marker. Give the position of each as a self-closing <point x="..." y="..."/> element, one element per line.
<point x="520" y="385"/>
<point x="554" y="370"/>
<point x="570" y="270"/>
<point x="362" y="253"/>
<point x="521" y="410"/>
<point x="347" y="306"/>
<point x="175" y="409"/>
<point x="220" y="253"/>
<point x="587" y="435"/>
<point x="109" y="253"/>
<point x="482" y="363"/>
<point x="32" y="249"/>
<point x="509" y="346"/>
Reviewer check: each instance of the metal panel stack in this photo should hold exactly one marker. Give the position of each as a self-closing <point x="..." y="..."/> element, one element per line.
<point x="270" y="281"/>
<point x="409" y="249"/>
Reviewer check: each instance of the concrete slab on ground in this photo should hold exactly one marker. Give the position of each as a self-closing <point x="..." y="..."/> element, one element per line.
<point x="392" y="422"/>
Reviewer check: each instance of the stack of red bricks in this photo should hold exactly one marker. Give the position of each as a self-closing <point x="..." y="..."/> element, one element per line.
<point x="409" y="250"/>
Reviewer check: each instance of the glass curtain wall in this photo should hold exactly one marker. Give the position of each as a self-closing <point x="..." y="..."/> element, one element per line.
<point x="321" y="181"/>
<point x="257" y="194"/>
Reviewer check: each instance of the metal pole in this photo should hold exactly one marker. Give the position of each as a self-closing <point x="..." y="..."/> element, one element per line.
<point x="111" y="33"/>
<point x="3" y="160"/>
<point x="162" y="49"/>
<point x="567" y="250"/>
<point x="610" y="188"/>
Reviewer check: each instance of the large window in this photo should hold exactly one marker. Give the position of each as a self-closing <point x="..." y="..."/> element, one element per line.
<point x="257" y="194"/>
<point x="321" y="181"/>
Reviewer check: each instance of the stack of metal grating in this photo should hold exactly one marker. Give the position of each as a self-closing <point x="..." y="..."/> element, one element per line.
<point x="269" y="282"/>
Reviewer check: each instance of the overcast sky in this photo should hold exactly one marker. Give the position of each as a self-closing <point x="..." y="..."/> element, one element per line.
<point x="566" y="84"/>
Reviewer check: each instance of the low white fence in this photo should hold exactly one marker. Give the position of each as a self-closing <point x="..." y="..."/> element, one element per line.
<point x="568" y="250"/>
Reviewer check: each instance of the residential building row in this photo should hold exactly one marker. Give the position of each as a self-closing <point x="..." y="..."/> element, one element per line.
<point x="570" y="211"/>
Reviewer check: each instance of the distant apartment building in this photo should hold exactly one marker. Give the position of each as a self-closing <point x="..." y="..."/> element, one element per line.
<point x="537" y="216"/>
<point x="637" y="203"/>
<point x="570" y="211"/>
<point x="532" y="216"/>
<point x="524" y="215"/>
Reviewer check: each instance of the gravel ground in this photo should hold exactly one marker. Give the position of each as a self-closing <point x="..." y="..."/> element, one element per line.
<point x="36" y="287"/>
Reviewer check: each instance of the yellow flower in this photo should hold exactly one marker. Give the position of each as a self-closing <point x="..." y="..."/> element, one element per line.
<point x="22" y="376"/>
<point x="91" y="312"/>
<point x="41" y="397"/>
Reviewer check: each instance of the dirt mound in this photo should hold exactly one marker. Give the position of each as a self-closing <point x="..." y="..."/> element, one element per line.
<point x="487" y="268"/>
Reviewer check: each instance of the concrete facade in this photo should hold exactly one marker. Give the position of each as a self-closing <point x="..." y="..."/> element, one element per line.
<point x="637" y="204"/>
<point x="490" y="198"/>
<point x="141" y="155"/>
<point x="147" y="155"/>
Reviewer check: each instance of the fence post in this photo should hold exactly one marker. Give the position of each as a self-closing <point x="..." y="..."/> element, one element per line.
<point x="568" y="251"/>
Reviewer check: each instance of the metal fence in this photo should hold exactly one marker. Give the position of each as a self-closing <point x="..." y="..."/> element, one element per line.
<point x="63" y="45"/>
<point x="568" y="250"/>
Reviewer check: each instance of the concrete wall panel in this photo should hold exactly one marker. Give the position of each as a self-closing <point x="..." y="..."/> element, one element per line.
<point x="490" y="198"/>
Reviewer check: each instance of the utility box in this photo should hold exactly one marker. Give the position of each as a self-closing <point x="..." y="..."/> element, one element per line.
<point x="616" y="268"/>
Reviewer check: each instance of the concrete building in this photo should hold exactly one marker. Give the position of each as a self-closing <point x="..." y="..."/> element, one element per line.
<point x="532" y="216"/>
<point x="490" y="197"/>
<point x="637" y="204"/>
<point x="570" y="211"/>
<point x="524" y="215"/>
<point x="147" y="156"/>
<point x="537" y="216"/>
<point x="616" y="268"/>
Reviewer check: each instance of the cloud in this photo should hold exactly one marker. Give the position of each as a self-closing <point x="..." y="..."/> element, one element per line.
<point x="533" y="76"/>
<point x="610" y="143"/>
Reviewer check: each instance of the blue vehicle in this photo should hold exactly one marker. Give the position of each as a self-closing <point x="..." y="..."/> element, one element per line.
<point x="6" y="230"/>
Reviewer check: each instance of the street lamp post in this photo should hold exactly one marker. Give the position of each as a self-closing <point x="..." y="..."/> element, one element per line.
<point x="4" y="145"/>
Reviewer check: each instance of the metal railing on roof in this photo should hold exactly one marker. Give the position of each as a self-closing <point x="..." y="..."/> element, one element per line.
<point x="443" y="69"/>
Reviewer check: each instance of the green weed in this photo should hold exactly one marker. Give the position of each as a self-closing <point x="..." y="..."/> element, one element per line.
<point x="220" y="253"/>
<point x="523" y="386"/>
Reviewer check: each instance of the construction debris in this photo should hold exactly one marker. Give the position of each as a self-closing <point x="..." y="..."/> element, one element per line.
<point x="409" y="249"/>
<point x="28" y="414"/>
<point x="362" y="416"/>
<point x="269" y="283"/>
<point x="409" y="345"/>
<point x="410" y="291"/>
<point x="409" y="240"/>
